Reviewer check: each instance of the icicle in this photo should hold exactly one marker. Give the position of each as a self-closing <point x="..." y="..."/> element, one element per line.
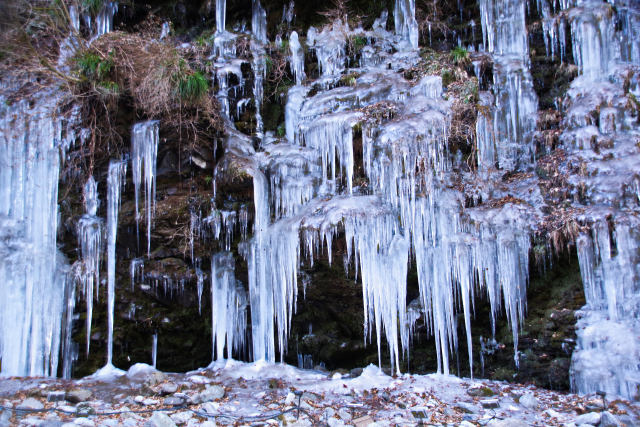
<point x="90" y="241"/>
<point x="200" y="288"/>
<point x="259" y="68"/>
<point x="144" y="153"/>
<point x="296" y="61"/>
<point x="221" y="16"/>
<point x="259" y="22"/>
<point x="228" y="311"/>
<point x="405" y="21"/>
<point x="104" y="18"/>
<point x="115" y="180"/>
<point x="154" y="350"/>
<point x="136" y="269"/>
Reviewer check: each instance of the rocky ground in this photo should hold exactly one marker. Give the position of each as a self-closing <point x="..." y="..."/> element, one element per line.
<point x="234" y="393"/>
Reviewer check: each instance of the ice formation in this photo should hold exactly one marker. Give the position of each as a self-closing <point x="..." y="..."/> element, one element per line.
<point x="90" y="233"/>
<point x="407" y="210"/>
<point x="144" y="154"/>
<point x="297" y="58"/>
<point x="405" y="21"/>
<point x="115" y="179"/>
<point x="505" y="132"/>
<point x="221" y="16"/>
<point x="259" y="22"/>
<point x="33" y="275"/>
<point x="229" y="303"/>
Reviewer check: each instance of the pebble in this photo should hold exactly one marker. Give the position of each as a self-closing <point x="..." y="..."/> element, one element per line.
<point x="85" y="422"/>
<point x="173" y="401"/>
<point x="149" y="402"/>
<point x="508" y="422"/>
<point x="529" y="401"/>
<point x="592" y="418"/>
<point x="168" y="388"/>
<point x="31" y="403"/>
<point x="607" y="419"/>
<point x="290" y="398"/>
<point x="212" y="392"/>
<point x="78" y="395"/>
<point x="160" y="419"/>
<point x="182" y="417"/>
<point x="344" y="414"/>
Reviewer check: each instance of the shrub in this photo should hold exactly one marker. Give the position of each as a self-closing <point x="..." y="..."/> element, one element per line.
<point x="459" y="55"/>
<point x="192" y="87"/>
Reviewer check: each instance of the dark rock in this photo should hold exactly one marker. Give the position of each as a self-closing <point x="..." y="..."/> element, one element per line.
<point x="490" y="403"/>
<point x="480" y="391"/>
<point x="83" y="409"/>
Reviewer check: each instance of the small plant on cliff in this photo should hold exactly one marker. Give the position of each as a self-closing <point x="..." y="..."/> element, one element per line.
<point x="459" y="55"/>
<point x="192" y="87"/>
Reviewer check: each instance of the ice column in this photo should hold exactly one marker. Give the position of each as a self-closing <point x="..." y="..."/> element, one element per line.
<point x="297" y="58"/>
<point x="90" y="236"/>
<point x="228" y="307"/>
<point x="221" y="15"/>
<point x="404" y="16"/>
<point x="144" y="153"/>
<point x="508" y="142"/>
<point x="32" y="275"/>
<point x="115" y="180"/>
<point x="608" y="350"/>
<point x="259" y="22"/>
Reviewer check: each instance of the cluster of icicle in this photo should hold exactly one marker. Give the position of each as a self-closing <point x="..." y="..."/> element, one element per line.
<point x="599" y="131"/>
<point x="304" y="197"/>
<point x="37" y="293"/>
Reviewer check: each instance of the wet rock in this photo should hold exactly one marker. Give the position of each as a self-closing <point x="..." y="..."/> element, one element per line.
<point x="78" y="395"/>
<point x="83" y="409"/>
<point x="356" y="372"/>
<point x="607" y="419"/>
<point x="67" y="409"/>
<point x="466" y="407"/>
<point x="481" y="391"/>
<point x="490" y="403"/>
<point x="168" y="388"/>
<point x="592" y="418"/>
<point x="212" y="392"/>
<point x="160" y="419"/>
<point x="56" y="396"/>
<point x="508" y="422"/>
<point x="173" y="401"/>
<point x="529" y="401"/>
<point x="31" y="404"/>
<point x="149" y="402"/>
<point x="154" y="378"/>
<point x="85" y="422"/>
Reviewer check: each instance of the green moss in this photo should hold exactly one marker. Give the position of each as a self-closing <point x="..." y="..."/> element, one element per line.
<point x="447" y="78"/>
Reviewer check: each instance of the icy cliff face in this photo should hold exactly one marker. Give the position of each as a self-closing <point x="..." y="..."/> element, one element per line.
<point x="366" y="159"/>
